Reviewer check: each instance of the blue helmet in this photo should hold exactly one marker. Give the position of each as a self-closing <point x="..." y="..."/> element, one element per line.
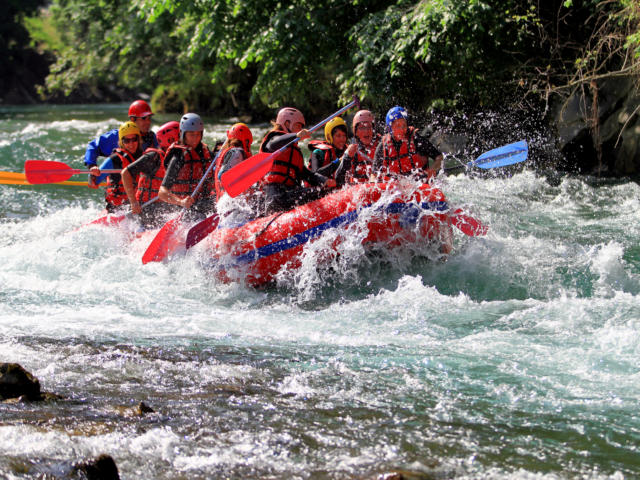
<point x="394" y="114"/>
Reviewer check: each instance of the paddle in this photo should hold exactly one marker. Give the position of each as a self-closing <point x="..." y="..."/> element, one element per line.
<point x="201" y="229"/>
<point x="49" y="171"/>
<point x="239" y="178"/>
<point x="498" y="157"/>
<point x="18" y="178"/>
<point x="163" y="243"/>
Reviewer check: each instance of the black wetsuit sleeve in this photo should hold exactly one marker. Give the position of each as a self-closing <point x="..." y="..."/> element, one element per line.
<point x="329" y="170"/>
<point x="316" y="161"/>
<point x="312" y="178"/>
<point x="378" y="157"/>
<point x="147" y="164"/>
<point x="174" y="163"/>
<point x="279" y="141"/>
<point x="341" y="169"/>
<point x="425" y="147"/>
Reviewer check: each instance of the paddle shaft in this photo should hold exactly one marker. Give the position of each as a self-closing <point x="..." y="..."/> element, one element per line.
<point x="259" y="165"/>
<point x="161" y="246"/>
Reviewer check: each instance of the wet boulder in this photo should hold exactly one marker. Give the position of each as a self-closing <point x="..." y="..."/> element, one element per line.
<point x="103" y="467"/>
<point x="16" y="382"/>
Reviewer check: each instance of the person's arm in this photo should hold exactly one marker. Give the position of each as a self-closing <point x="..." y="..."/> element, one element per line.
<point x="176" y="163"/>
<point x="279" y="141"/>
<point x="316" y="180"/>
<point x="426" y="148"/>
<point x="232" y="158"/>
<point x="316" y="161"/>
<point x="344" y="165"/>
<point x="377" y="162"/>
<point x="127" y="183"/>
<point x="91" y="154"/>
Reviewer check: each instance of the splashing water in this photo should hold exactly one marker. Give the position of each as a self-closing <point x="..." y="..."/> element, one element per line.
<point x="517" y="357"/>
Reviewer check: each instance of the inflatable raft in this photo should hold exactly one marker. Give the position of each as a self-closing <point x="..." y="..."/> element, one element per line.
<point x="387" y="215"/>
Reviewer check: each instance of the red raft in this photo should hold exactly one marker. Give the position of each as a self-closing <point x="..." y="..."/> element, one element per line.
<point x="392" y="215"/>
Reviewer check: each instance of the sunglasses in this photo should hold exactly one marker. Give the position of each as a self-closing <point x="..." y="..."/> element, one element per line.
<point x="148" y="117"/>
<point x="126" y="140"/>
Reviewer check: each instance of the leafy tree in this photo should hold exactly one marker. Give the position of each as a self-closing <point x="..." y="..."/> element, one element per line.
<point x="15" y="48"/>
<point x="253" y="56"/>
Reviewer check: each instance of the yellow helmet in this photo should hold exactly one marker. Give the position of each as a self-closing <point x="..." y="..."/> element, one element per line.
<point x="331" y="124"/>
<point x="127" y="128"/>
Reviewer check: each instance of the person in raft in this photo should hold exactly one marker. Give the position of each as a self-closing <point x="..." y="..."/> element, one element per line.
<point x="150" y="170"/>
<point x="186" y="163"/>
<point x="125" y="154"/>
<point x="140" y="113"/>
<point x="356" y="163"/>
<point x="324" y="153"/>
<point x="403" y="151"/>
<point x="235" y="149"/>
<point x="282" y="184"/>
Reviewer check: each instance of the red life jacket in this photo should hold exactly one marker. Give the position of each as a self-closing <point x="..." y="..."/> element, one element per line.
<point x="115" y="194"/>
<point x="192" y="170"/>
<point x="149" y="185"/>
<point x="329" y="151"/>
<point x="371" y="149"/>
<point x="287" y="166"/>
<point x="402" y="161"/>
<point x="360" y="169"/>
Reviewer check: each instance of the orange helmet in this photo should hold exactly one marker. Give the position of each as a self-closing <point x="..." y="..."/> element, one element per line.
<point x="140" y="108"/>
<point x="293" y="115"/>
<point x="241" y="132"/>
<point x="168" y="134"/>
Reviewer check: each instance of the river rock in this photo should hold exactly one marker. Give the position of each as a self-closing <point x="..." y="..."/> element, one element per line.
<point x="16" y="382"/>
<point x="102" y="467"/>
<point x="619" y="128"/>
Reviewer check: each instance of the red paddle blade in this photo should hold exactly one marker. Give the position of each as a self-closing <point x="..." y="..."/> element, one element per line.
<point x="46" y="171"/>
<point x="245" y="174"/>
<point x="202" y="229"/>
<point x="467" y="224"/>
<point x="165" y="242"/>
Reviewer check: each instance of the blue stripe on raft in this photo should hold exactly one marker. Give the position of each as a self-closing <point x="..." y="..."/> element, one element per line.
<point x="410" y="209"/>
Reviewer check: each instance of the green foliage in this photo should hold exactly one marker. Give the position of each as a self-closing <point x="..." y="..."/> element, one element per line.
<point x="254" y="56"/>
<point x="43" y="33"/>
<point x="14" y="37"/>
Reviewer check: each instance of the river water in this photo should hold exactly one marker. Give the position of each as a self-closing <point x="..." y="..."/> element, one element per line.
<point x="518" y="357"/>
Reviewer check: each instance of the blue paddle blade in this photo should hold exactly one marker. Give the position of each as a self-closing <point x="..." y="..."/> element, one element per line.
<point x="502" y="156"/>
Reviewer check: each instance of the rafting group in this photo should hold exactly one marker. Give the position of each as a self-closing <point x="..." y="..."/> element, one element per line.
<point x="255" y="214"/>
<point x="173" y="168"/>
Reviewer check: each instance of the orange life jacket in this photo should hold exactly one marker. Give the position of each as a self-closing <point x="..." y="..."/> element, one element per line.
<point x="402" y="161"/>
<point x="115" y="194"/>
<point x="287" y="166"/>
<point x="192" y="170"/>
<point x="149" y="185"/>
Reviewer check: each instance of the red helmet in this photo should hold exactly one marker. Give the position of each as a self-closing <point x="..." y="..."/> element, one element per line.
<point x="139" y="108"/>
<point x="241" y="132"/>
<point x="361" y="117"/>
<point x="168" y="134"/>
<point x="293" y="115"/>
